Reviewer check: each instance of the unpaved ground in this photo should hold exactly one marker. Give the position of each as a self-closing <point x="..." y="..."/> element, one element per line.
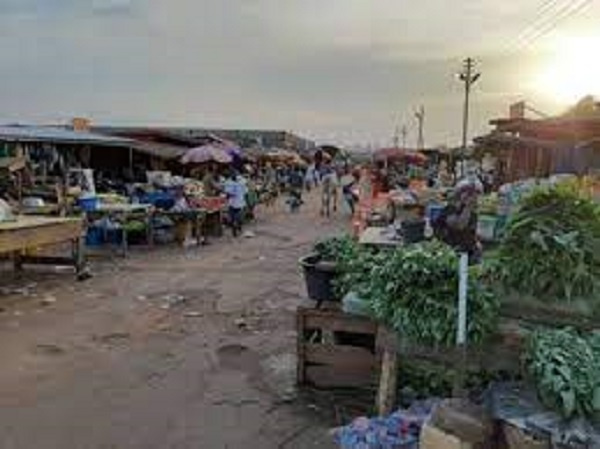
<point x="168" y="349"/>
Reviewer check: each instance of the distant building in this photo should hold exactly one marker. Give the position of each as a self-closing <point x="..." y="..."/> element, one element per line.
<point x="245" y="138"/>
<point x="525" y="147"/>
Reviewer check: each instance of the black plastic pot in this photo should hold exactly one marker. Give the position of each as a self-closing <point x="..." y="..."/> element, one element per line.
<point x="413" y="231"/>
<point x="319" y="276"/>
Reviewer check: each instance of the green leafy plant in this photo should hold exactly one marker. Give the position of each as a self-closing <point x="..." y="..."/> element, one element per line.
<point x="414" y="290"/>
<point x="565" y="367"/>
<point x="551" y="248"/>
<point x="356" y="268"/>
<point x="421" y="379"/>
<point x="336" y="249"/>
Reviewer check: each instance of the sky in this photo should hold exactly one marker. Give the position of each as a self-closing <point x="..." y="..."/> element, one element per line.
<point x="343" y="71"/>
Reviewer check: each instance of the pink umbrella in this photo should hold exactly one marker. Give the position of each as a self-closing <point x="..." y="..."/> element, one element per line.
<point x="206" y="153"/>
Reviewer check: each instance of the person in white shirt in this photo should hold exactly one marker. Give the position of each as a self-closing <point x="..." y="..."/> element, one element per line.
<point x="236" y="190"/>
<point x="329" y="190"/>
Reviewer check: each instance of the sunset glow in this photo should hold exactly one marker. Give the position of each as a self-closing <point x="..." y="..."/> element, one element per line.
<point x="572" y="71"/>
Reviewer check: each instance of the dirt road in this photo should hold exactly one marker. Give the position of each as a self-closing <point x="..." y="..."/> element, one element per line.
<point x="168" y="349"/>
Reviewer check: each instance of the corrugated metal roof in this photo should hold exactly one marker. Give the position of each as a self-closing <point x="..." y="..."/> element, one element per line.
<point x="161" y="150"/>
<point x="57" y="135"/>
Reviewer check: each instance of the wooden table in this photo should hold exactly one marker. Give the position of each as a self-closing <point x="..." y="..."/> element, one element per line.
<point x="31" y="232"/>
<point x="378" y="237"/>
<point x="143" y="212"/>
<point x="196" y="217"/>
<point x="123" y="213"/>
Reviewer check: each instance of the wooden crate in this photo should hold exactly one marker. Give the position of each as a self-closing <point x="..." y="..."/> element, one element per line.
<point x="336" y="349"/>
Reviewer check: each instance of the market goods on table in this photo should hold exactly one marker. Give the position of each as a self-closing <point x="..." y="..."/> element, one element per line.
<point x="551" y="248"/>
<point x="414" y="290"/>
<point x="565" y="367"/>
<point x="400" y="430"/>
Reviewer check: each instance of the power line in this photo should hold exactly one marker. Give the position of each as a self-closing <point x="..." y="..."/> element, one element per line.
<point x="546" y="23"/>
<point x="542" y="13"/>
<point x="547" y="11"/>
<point x="566" y="15"/>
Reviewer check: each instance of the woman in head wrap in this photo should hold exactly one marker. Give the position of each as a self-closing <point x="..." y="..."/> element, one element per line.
<point x="457" y="225"/>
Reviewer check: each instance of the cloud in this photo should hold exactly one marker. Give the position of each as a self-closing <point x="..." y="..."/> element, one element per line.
<point x="347" y="67"/>
<point x="116" y="7"/>
<point x="64" y="8"/>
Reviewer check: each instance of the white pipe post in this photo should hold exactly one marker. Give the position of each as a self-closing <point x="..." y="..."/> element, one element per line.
<point x="461" y="334"/>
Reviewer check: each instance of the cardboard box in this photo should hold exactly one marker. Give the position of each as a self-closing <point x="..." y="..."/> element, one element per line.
<point x="434" y="438"/>
<point x="457" y="424"/>
<point x="463" y="419"/>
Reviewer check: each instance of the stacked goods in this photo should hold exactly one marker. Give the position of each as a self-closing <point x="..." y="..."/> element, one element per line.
<point x="565" y="367"/>
<point x="414" y="291"/>
<point x="551" y="248"/>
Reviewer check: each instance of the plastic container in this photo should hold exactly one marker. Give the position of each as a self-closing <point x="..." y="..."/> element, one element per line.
<point x="433" y="212"/>
<point x="319" y="278"/>
<point x="161" y="200"/>
<point x="413" y="231"/>
<point x="94" y="236"/>
<point x="354" y="305"/>
<point x="486" y="227"/>
<point x="88" y="203"/>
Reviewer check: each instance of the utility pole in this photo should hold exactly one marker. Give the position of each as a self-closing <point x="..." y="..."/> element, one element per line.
<point x="396" y="138"/>
<point x="469" y="77"/>
<point x="420" y="115"/>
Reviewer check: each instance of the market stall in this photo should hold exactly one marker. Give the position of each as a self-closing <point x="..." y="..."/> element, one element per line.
<point x="522" y="324"/>
<point x="23" y="236"/>
<point x="114" y="223"/>
<point x="380" y="237"/>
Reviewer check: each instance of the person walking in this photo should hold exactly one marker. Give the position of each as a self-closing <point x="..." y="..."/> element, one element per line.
<point x="236" y="190"/>
<point x="349" y="183"/>
<point x="296" y="183"/>
<point x="329" y="190"/>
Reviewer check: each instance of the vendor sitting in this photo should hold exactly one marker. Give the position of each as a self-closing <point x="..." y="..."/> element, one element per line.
<point x="457" y="224"/>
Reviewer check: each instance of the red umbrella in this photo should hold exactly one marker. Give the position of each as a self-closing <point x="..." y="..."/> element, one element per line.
<point x="410" y="157"/>
<point x="206" y="153"/>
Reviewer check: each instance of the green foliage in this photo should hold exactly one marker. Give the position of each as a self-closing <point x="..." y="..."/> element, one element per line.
<point x="414" y="290"/>
<point x="356" y="269"/>
<point x="565" y="367"/>
<point x="551" y="249"/>
<point x="420" y="379"/>
<point x="336" y="249"/>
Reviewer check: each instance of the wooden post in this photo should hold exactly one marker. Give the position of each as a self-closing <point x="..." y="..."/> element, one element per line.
<point x="18" y="261"/>
<point x="79" y="259"/>
<point x="387" y="346"/>
<point x="386" y="396"/>
<point x="149" y="219"/>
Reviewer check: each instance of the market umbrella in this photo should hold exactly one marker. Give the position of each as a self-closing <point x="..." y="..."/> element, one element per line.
<point x="411" y="157"/>
<point x="207" y="153"/>
<point x="232" y="148"/>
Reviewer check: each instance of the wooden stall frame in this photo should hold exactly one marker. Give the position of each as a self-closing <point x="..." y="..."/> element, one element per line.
<point x="351" y="365"/>
<point x="35" y="232"/>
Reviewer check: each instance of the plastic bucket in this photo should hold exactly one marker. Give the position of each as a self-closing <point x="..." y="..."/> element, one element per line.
<point x="319" y="279"/>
